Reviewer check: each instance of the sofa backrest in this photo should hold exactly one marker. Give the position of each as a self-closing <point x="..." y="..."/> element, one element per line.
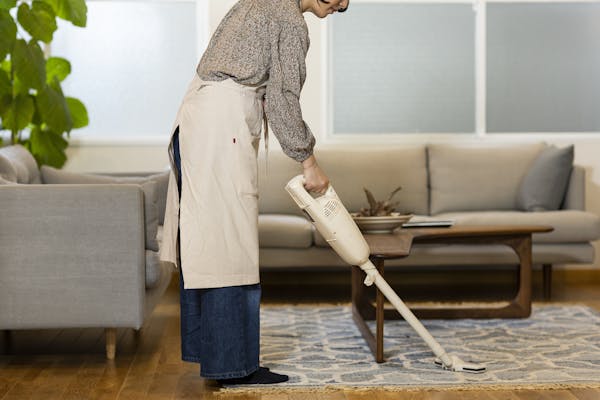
<point x="350" y="169"/>
<point x="17" y="165"/>
<point x="477" y="177"/>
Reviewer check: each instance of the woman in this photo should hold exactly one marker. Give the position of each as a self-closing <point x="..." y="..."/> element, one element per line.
<point x="253" y="69"/>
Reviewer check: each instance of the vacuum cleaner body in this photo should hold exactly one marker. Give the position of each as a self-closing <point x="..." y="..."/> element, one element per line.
<point x="337" y="227"/>
<point x="332" y="220"/>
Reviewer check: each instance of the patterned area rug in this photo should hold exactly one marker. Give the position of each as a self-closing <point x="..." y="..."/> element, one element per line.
<point x="320" y="346"/>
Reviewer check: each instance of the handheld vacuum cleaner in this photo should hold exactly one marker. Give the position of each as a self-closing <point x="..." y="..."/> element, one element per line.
<point x="336" y="225"/>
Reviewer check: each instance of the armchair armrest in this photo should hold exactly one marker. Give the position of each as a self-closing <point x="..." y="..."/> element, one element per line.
<point x="71" y="256"/>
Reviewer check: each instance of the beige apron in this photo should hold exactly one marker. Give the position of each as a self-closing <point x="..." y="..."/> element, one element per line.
<point x="219" y="133"/>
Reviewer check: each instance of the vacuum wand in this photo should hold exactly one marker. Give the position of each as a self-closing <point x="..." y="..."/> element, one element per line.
<point x="335" y="224"/>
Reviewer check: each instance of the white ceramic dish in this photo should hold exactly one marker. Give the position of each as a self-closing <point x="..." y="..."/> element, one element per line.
<point x="384" y="224"/>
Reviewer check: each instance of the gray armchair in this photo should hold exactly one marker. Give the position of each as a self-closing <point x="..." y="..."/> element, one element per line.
<point x="74" y="255"/>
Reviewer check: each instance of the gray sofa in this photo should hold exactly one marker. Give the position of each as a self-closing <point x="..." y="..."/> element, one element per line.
<point x="470" y="184"/>
<point x="78" y="255"/>
<point x="74" y="254"/>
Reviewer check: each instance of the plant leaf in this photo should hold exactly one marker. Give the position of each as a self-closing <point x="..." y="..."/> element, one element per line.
<point x="37" y="118"/>
<point x="43" y="5"/>
<point x="5" y="90"/>
<point x="372" y="202"/>
<point x="19" y="87"/>
<point x="39" y="20"/>
<point x="5" y="102"/>
<point x="29" y="64"/>
<point x="7" y="4"/>
<point x="48" y="147"/>
<point x="18" y="115"/>
<point x="394" y="192"/>
<point x="70" y="10"/>
<point x="57" y="67"/>
<point x="5" y="85"/>
<point x="8" y="33"/>
<point x="53" y="108"/>
<point x="5" y="65"/>
<point x="79" y="113"/>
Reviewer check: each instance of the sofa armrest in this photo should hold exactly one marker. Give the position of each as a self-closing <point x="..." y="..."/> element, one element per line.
<point x="575" y="196"/>
<point x="160" y="178"/>
<point x="71" y="256"/>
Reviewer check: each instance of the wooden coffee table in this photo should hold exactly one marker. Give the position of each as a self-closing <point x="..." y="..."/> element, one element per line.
<point x="398" y="245"/>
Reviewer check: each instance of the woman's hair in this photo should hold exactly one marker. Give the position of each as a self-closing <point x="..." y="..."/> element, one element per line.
<point x="327" y="2"/>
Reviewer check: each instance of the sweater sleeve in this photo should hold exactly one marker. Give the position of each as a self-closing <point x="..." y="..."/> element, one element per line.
<point x="287" y="74"/>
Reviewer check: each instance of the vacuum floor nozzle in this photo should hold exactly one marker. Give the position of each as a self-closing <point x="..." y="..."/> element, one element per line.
<point x="459" y="365"/>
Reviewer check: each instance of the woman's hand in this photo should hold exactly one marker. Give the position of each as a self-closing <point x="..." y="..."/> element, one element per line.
<point x="315" y="179"/>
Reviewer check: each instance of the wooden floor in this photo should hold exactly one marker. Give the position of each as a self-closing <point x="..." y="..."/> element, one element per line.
<point x="70" y="363"/>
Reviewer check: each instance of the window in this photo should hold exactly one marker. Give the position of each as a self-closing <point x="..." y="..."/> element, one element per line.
<point x="543" y="67"/>
<point x="131" y="64"/>
<point x="405" y="67"/>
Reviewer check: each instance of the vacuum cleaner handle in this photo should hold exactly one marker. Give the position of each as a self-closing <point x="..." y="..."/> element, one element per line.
<point x="301" y="196"/>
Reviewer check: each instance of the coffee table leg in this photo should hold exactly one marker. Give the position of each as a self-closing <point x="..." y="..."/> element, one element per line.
<point x="379" y="312"/>
<point x="522" y="301"/>
<point x="362" y="309"/>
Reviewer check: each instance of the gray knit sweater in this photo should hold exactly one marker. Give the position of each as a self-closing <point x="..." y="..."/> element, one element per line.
<point x="264" y="42"/>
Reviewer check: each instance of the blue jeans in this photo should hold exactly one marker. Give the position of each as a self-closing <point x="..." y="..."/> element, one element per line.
<point x="220" y="327"/>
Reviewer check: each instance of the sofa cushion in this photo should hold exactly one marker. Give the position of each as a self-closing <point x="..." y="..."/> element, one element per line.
<point x="381" y="170"/>
<point x="7" y="170"/>
<point x="350" y="169"/>
<point x="320" y="240"/>
<point x="274" y="173"/>
<point x="23" y="163"/>
<point x="5" y="182"/>
<point x="543" y="187"/>
<point x="150" y="214"/>
<point x="162" y="185"/>
<point x="161" y="179"/>
<point x="152" y="269"/>
<point x="570" y="226"/>
<point x="472" y="178"/>
<point x="52" y="175"/>
<point x="285" y="231"/>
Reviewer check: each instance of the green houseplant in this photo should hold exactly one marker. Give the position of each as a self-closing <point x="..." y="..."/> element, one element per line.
<point x="31" y="98"/>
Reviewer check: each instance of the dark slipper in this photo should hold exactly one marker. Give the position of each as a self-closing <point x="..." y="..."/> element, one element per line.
<point x="262" y="376"/>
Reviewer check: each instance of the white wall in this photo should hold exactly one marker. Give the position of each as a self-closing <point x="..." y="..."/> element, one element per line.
<point x="134" y="156"/>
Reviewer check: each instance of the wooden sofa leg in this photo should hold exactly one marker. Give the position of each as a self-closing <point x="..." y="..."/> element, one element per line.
<point x="111" y="342"/>
<point x="547" y="280"/>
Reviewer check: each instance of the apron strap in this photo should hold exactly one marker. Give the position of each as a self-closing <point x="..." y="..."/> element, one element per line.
<point x="266" y="134"/>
